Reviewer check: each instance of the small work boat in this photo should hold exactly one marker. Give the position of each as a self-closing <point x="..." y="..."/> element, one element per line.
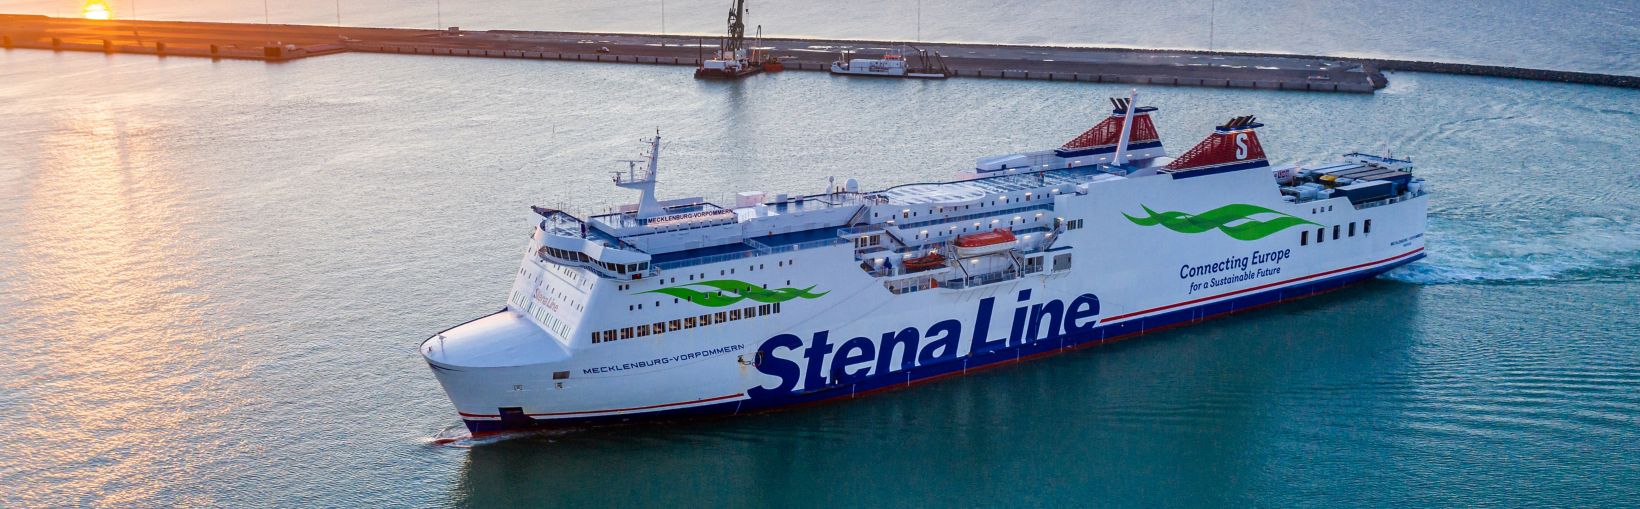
<point x="892" y="64"/>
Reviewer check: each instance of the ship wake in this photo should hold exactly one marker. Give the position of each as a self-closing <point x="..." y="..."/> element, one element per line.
<point x="1578" y="249"/>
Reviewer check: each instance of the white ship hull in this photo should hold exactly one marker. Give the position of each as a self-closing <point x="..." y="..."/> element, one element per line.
<point x="717" y="369"/>
<point x="680" y="308"/>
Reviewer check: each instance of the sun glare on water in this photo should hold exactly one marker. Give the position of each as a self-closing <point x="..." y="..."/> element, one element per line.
<point x="97" y="9"/>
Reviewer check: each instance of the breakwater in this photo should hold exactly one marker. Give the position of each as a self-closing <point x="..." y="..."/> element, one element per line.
<point x="277" y="43"/>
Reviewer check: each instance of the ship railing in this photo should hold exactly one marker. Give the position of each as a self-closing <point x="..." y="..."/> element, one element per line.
<point x="806" y="245"/>
<point x="978" y="215"/>
<point x="981" y="280"/>
<point x="758" y="249"/>
<point x="703" y="260"/>
<point x="1389" y="201"/>
<point x="862" y="229"/>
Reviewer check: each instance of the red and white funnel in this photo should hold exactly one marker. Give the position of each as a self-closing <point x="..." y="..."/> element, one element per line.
<point x="1104" y="136"/>
<point x="1232" y="146"/>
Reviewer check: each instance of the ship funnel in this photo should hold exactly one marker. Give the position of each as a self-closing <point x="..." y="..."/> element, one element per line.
<point x="1232" y="146"/>
<point x="1103" y="137"/>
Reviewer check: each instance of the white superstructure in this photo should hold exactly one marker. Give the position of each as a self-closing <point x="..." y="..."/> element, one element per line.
<point x="679" y="307"/>
<point x="891" y="64"/>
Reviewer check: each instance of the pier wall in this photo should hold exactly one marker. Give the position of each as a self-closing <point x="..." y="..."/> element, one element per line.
<point x="278" y="43"/>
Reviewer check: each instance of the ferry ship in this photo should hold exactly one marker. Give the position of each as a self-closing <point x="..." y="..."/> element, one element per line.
<point x="674" y="308"/>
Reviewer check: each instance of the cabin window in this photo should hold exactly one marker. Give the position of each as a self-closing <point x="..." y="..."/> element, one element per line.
<point x="626" y="333"/>
<point x="1304" y="238"/>
<point x="659" y="327"/>
<point x="674" y="325"/>
<point x="643" y="330"/>
<point x="777" y="305"/>
<point x="764" y="309"/>
<point x="594" y="337"/>
<point x="734" y="314"/>
<point x="1366" y="226"/>
<point x="705" y="320"/>
<point x="1352" y="229"/>
<point x="721" y="316"/>
<point x="1337" y="228"/>
<point x="689" y="323"/>
<point x="1320" y="235"/>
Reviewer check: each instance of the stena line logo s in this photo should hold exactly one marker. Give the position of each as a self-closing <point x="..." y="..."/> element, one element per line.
<point x="1241" y="146"/>
<point x="818" y="362"/>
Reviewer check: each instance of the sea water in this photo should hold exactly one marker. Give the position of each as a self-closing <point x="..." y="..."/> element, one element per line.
<point x="213" y="277"/>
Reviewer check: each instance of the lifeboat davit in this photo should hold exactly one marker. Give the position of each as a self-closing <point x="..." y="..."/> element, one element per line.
<point x="984" y="243"/>
<point x="922" y="263"/>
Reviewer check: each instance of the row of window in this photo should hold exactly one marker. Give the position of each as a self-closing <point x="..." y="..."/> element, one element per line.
<point x="908" y="213"/>
<point x="577" y="256"/>
<point x="1337" y="232"/>
<point x="685" y="323"/>
<point x="1074" y="224"/>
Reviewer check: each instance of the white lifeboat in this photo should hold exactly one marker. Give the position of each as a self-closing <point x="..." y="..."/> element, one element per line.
<point x="984" y="243"/>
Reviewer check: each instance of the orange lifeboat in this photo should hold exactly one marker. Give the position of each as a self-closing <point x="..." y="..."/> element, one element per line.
<point x="922" y="263"/>
<point x="994" y="241"/>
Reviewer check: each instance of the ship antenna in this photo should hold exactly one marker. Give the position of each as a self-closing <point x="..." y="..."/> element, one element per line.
<point x="1120" y="157"/>
<point x="648" y="206"/>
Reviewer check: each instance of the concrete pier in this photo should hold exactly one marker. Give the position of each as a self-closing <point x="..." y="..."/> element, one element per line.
<point x="1096" y="65"/>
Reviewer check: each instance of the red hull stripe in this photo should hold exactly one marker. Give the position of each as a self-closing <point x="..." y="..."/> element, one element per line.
<point x="1260" y="287"/>
<point x="650" y="407"/>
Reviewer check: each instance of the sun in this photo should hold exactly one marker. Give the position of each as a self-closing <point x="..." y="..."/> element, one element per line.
<point x="97" y="9"/>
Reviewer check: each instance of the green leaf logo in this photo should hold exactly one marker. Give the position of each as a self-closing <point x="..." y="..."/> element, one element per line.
<point x="1220" y="218"/>
<point x="724" y="292"/>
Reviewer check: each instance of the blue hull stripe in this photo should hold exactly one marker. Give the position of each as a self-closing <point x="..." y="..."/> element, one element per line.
<point x="1215" y="170"/>
<point x="1108" y="149"/>
<point x="975" y="361"/>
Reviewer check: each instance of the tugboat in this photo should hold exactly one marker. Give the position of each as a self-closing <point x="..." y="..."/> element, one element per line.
<point x="732" y="59"/>
<point x="893" y="64"/>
